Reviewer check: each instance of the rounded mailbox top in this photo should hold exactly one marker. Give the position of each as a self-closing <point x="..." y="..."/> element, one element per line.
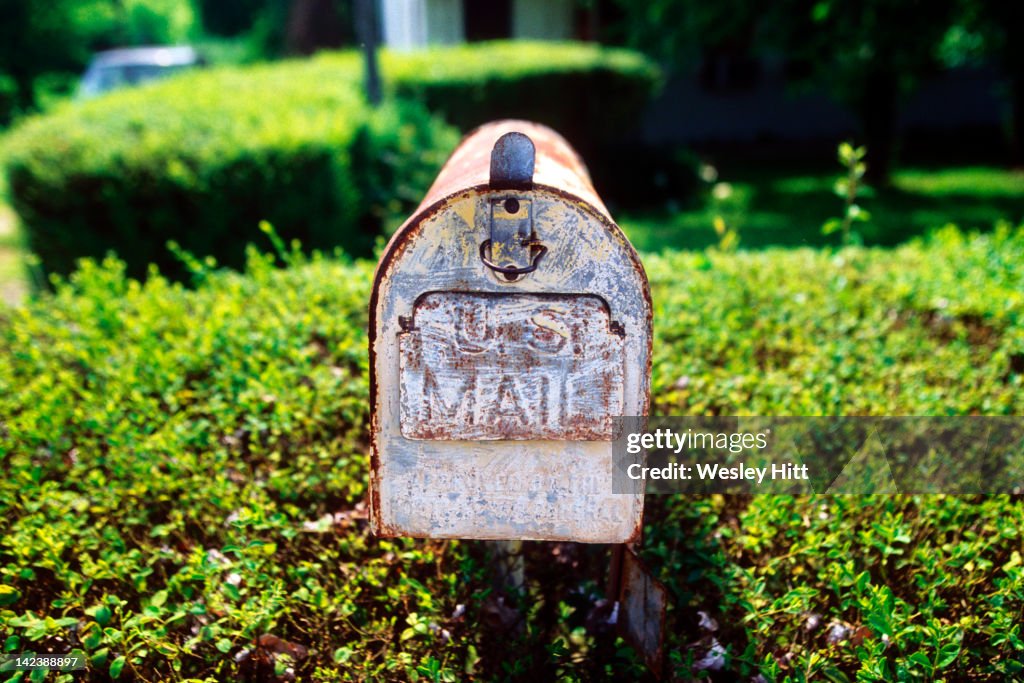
<point x="556" y="167"/>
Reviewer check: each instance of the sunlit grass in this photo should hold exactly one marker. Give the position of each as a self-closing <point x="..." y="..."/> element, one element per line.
<point x="773" y="207"/>
<point x="976" y="181"/>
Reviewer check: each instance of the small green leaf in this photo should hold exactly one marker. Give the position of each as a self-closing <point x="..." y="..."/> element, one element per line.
<point x="79" y="654"/>
<point x="92" y="638"/>
<point x="159" y="598"/>
<point x="232" y="591"/>
<point x="99" y="658"/>
<point x="116" y="667"/>
<point x="921" y="660"/>
<point x="8" y="595"/>
<point x="948" y="654"/>
<point x="880" y="624"/>
<point x="835" y="675"/>
<point x="719" y="224"/>
<point x="101" y="614"/>
<point x="846" y="153"/>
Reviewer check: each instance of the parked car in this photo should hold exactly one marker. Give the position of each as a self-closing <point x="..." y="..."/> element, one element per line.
<point x="132" y="66"/>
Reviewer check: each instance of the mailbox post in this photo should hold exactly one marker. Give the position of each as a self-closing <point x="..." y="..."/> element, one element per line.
<point x="510" y="326"/>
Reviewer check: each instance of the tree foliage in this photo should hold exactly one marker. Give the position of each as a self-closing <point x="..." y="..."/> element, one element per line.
<point x="231" y="18"/>
<point x="676" y="32"/>
<point x="992" y="30"/>
<point x="869" y="54"/>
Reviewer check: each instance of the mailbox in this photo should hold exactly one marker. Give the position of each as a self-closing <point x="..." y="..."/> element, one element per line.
<point x="510" y="326"/>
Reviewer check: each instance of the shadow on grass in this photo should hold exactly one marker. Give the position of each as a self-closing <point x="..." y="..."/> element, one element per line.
<point x="685" y="546"/>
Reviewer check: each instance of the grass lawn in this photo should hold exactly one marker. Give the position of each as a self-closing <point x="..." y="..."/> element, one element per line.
<point x="773" y="206"/>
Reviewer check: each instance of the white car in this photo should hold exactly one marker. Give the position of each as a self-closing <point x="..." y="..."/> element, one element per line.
<point x="131" y="66"/>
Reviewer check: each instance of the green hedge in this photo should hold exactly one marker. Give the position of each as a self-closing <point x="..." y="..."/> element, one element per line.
<point x="183" y="472"/>
<point x="202" y="159"/>
<point x="589" y="93"/>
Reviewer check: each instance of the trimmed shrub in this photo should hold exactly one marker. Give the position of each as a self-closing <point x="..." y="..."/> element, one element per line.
<point x="589" y="93"/>
<point x="182" y="477"/>
<point x="203" y="158"/>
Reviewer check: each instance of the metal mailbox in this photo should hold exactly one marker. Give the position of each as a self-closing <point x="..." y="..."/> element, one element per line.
<point x="510" y="325"/>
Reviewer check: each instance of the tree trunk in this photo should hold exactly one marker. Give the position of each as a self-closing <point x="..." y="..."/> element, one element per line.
<point x="878" y="112"/>
<point x="1017" y="119"/>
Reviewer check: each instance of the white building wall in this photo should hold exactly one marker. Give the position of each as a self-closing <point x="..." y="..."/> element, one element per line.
<point x="403" y="23"/>
<point x="412" y="24"/>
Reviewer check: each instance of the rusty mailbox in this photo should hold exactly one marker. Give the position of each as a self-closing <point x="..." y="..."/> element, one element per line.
<point x="510" y="325"/>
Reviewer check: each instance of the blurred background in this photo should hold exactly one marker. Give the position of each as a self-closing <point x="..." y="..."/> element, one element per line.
<point x="703" y="124"/>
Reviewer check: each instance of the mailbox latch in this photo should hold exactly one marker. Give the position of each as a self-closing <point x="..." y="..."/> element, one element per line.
<point x="513" y="248"/>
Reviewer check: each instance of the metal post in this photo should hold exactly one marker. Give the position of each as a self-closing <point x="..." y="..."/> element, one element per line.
<point x="509" y="567"/>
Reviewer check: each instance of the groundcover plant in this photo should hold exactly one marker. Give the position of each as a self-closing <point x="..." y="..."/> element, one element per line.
<point x="184" y="470"/>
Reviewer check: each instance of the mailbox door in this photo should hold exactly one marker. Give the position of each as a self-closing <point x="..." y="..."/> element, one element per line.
<point x="495" y="367"/>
